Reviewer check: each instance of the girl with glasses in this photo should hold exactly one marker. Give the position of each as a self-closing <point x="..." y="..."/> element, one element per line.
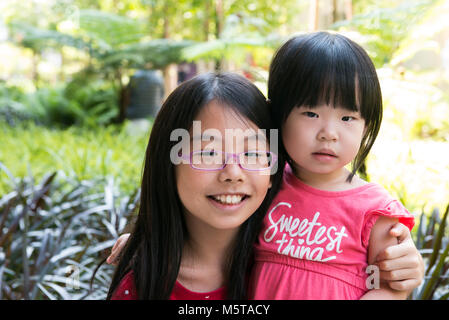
<point x="201" y="206"/>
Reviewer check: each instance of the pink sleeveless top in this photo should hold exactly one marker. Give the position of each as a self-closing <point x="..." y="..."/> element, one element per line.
<point x="314" y="243"/>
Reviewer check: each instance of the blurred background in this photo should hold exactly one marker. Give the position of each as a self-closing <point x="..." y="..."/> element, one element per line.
<point x="81" y="82"/>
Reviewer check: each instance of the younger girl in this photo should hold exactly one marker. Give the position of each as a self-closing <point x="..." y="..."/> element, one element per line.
<point x="326" y="225"/>
<point x="198" y="218"/>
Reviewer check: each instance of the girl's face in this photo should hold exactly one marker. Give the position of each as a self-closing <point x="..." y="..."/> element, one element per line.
<point x="221" y="199"/>
<point x="322" y="140"/>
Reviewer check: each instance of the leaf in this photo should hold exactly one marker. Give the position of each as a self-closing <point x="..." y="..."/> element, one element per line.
<point x="88" y="212"/>
<point x="101" y="246"/>
<point x="44" y="187"/>
<point x="48" y="294"/>
<point x="432" y="282"/>
<point x="60" y="290"/>
<point x="43" y="248"/>
<point x="61" y="279"/>
<point x="438" y="239"/>
<point x="420" y="232"/>
<point x="66" y="253"/>
<point x="110" y="228"/>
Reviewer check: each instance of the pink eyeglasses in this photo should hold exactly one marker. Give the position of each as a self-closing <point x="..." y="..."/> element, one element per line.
<point x="211" y="160"/>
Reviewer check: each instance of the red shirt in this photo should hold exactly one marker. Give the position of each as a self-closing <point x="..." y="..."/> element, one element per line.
<point x="127" y="291"/>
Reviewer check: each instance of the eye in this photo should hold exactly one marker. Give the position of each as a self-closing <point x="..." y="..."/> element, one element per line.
<point x="256" y="154"/>
<point x="348" y="118"/>
<point x="310" y="114"/>
<point x="209" y="153"/>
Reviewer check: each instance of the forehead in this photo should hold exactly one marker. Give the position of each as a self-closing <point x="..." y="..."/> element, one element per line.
<point x="221" y="117"/>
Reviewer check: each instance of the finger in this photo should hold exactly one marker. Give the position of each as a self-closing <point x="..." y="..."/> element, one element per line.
<point x="110" y="259"/>
<point x="406" y="285"/>
<point x="115" y="251"/>
<point x="404" y="262"/>
<point x="400" y="231"/>
<point x="397" y="251"/>
<point x="399" y="275"/>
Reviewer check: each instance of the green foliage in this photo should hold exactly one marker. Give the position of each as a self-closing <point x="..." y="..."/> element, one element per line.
<point x="38" y="39"/>
<point x="110" y="30"/>
<point x="153" y="54"/>
<point x="12" y="107"/>
<point x="87" y="190"/>
<point x="83" y="104"/>
<point x="53" y="235"/>
<point x="28" y="149"/>
<point x="115" y="47"/>
<point x="240" y="36"/>
<point x="433" y="242"/>
<point x="386" y="27"/>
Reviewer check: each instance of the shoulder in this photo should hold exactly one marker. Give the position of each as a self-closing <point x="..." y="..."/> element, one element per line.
<point x="385" y="205"/>
<point x="380" y="238"/>
<point x="126" y="290"/>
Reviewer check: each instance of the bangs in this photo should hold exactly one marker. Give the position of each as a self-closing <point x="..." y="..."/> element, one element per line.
<point x="333" y="85"/>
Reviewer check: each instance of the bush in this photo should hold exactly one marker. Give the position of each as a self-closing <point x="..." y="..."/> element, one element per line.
<point x="433" y="242"/>
<point x="79" y="103"/>
<point x="53" y="235"/>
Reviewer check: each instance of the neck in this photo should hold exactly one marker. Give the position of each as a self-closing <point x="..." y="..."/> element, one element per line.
<point x="333" y="181"/>
<point x="205" y="256"/>
<point x="209" y="246"/>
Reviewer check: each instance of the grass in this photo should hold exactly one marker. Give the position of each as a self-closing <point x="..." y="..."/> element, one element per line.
<point x="114" y="151"/>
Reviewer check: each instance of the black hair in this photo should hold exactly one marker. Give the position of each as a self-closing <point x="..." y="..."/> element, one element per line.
<point x="153" y="251"/>
<point x="321" y="67"/>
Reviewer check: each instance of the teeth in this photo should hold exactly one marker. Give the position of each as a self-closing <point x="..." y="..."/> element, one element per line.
<point x="228" y="199"/>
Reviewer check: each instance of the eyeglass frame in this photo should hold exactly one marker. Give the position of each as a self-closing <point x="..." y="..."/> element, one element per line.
<point x="227" y="155"/>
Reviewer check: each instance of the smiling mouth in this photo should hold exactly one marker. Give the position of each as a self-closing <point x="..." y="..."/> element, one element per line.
<point x="229" y="199"/>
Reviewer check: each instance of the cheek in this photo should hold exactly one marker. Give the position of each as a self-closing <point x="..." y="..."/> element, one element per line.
<point x="189" y="184"/>
<point x="354" y="140"/>
<point x="261" y="183"/>
<point x="295" y="141"/>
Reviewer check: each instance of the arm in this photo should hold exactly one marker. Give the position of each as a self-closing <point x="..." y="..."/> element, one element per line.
<point x="114" y="257"/>
<point x="380" y="238"/>
<point x="401" y="264"/>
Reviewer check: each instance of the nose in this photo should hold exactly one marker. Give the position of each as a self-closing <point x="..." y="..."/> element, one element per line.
<point x="328" y="132"/>
<point x="232" y="172"/>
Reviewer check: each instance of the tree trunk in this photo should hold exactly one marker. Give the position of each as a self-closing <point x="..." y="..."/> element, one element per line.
<point x="348" y="9"/>
<point x="219" y="22"/>
<point x="34" y="69"/>
<point x="334" y="11"/>
<point x="170" y="72"/>
<point x="313" y="15"/>
<point x="206" y="19"/>
<point x="123" y="96"/>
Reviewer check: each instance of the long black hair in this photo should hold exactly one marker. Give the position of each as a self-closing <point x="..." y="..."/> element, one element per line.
<point x="154" y="249"/>
<point x="321" y="67"/>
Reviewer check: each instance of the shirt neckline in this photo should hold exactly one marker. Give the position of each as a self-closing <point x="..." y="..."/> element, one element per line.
<point x="215" y="292"/>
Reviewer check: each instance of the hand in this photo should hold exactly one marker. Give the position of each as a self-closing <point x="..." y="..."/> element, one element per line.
<point x="401" y="265"/>
<point x="114" y="257"/>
